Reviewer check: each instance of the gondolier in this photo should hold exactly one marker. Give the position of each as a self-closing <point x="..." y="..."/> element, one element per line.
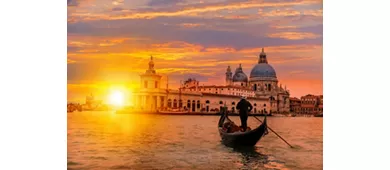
<point x="238" y="139"/>
<point x="244" y="107"/>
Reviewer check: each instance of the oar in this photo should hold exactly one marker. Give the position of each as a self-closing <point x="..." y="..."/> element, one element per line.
<point x="274" y="132"/>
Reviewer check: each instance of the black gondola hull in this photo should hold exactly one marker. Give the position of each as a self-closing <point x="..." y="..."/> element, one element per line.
<point x="241" y="139"/>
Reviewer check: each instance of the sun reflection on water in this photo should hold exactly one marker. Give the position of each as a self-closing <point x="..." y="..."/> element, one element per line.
<point x="105" y="140"/>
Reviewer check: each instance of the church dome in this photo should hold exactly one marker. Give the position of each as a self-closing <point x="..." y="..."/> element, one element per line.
<point x="263" y="70"/>
<point x="239" y="75"/>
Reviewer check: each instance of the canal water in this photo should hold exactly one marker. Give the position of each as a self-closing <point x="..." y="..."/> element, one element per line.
<point x="105" y="140"/>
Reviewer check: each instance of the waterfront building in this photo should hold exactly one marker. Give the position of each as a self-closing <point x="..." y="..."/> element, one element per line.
<point x="262" y="89"/>
<point x="295" y="105"/>
<point x="310" y="104"/>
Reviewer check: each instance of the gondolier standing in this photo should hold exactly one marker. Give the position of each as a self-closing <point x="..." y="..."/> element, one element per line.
<point x="244" y="107"/>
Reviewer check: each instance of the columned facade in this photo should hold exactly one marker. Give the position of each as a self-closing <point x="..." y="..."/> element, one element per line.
<point x="261" y="89"/>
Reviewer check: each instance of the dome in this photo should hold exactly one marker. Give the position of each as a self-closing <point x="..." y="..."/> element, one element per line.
<point x="263" y="70"/>
<point x="240" y="77"/>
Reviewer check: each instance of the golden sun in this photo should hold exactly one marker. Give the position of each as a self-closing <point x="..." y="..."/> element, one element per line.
<point x="116" y="98"/>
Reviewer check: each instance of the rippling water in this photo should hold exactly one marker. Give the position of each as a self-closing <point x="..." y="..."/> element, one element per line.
<point x="105" y="140"/>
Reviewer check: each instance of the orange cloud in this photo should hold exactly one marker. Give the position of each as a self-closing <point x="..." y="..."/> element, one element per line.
<point x="187" y="11"/>
<point x="238" y="17"/>
<point x="284" y="27"/>
<point x="220" y="50"/>
<point x="180" y="70"/>
<point x="281" y="13"/>
<point x="284" y="49"/>
<point x="290" y="12"/>
<point x="78" y="43"/>
<point x="71" y="61"/>
<point x="317" y="13"/>
<point x="190" y="25"/>
<point x="178" y="50"/>
<point x="294" y="35"/>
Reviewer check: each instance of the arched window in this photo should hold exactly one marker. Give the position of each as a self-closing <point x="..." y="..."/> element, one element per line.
<point x="254" y="104"/>
<point x="265" y="105"/>
<point x="193" y="106"/>
<point x="221" y="102"/>
<point x="269" y="87"/>
<point x="180" y="103"/>
<point x="174" y="103"/>
<point x="169" y="103"/>
<point x="233" y="103"/>
<point x="198" y="104"/>
<point x="207" y="101"/>
<point x="255" y="87"/>
<point x="188" y="103"/>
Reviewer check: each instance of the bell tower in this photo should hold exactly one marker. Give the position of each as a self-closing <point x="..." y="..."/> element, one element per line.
<point x="151" y="66"/>
<point x="229" y="76"/>
<point x="150" y="79"/>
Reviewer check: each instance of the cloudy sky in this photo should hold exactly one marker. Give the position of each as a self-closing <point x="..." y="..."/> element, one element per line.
<point x="110" y="41"/>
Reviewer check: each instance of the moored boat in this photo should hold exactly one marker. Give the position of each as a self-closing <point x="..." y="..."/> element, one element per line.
<point x="172" y="112"/>
<point x="239" y="139"/>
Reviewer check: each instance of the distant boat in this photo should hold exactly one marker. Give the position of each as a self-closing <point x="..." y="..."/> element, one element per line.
<point x="172" y="112"/>
<point x="238" y="139"/>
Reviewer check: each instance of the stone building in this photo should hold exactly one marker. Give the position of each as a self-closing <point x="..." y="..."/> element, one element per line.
<point x="295" y="105"/>
<point x="261" y="89"/>
<point x="311" y="104"/>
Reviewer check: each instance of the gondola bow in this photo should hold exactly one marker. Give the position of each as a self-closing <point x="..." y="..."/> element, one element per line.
<point x="238" y="139"/>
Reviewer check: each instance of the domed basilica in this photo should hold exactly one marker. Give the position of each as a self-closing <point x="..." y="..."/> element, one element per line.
<point x="262" y="81"/>
<point x="261" y="89"/>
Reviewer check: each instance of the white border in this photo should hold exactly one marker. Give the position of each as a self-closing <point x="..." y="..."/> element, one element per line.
<point x="356" y="83"/>
<point x="33" y="85"/>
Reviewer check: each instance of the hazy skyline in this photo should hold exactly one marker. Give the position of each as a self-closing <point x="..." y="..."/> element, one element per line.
<point x="110" y="42"/>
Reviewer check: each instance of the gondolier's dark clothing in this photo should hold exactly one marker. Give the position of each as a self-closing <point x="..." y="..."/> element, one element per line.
<point x="244" y="108"/>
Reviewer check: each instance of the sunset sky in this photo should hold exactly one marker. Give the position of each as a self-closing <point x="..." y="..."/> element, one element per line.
<point x="110" y="41"/>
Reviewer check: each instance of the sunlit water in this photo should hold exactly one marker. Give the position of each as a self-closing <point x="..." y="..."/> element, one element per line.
<point x="105" y="140"/>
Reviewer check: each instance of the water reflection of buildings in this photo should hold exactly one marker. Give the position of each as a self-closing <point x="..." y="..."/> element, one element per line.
<point x="262" y="90"/>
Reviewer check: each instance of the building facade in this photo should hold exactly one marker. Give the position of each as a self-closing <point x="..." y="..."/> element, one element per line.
<point x="295" y="105"/>
<point x="308" y="104"/>
<point x="261" y="88"/>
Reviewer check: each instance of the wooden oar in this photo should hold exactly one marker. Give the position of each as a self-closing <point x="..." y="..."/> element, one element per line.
<point x="274" y="132"/>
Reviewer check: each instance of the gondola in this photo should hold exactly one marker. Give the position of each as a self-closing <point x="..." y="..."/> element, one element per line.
<point x="241" y="139"/>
